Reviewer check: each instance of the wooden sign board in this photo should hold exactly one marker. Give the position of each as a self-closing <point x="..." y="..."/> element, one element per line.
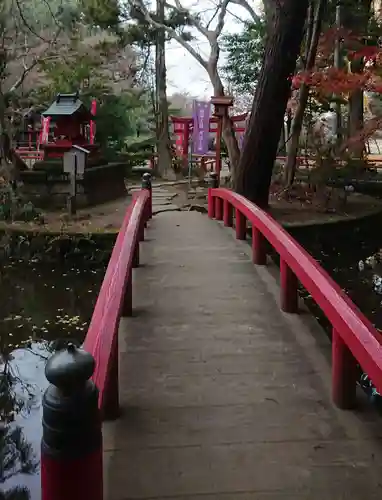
<point x="75" y="159"/>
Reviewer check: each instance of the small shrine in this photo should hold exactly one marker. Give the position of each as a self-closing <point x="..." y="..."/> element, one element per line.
<point x="69" y="170"/>
<point x="71" y="120"/>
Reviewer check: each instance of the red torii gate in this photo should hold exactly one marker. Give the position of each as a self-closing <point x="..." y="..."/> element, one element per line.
<point x="183" y="128"/>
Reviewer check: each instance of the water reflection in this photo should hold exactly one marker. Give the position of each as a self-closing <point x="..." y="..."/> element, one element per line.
<point x="42" y="308"/>
<point x="19" y="399"/>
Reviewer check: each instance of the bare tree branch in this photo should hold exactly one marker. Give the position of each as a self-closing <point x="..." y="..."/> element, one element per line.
<point x="221" y="18"/>
<point x="170" y="31"/>
<point x="210" y="64"/>
<point x="24" y="74"/>
<point x="25" y="22"/>
<point x="251" y="11"/>
<point x="56" y="21"/>
<point x="213" y="16"/>
<point x="194" y="19"/>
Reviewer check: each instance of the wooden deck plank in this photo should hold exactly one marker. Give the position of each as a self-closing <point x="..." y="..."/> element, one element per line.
<point x="223" y="396"/>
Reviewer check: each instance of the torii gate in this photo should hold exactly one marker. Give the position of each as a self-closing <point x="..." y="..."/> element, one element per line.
<point x="183" y="129"/>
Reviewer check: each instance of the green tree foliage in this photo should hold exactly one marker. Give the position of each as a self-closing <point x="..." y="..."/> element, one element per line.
<point x="118" y="120"/>
<point x="143" y="33"/>
<point x="245" y="52"/>
<point x="117" y="113"/>
<point x="105" y="14"/>
<point x="65" y="47"/>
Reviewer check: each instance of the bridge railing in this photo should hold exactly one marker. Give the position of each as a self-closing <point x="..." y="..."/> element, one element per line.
<point x="354" y="339"/>
<point x="73" y="406"/>
<point x="115" y="300"/>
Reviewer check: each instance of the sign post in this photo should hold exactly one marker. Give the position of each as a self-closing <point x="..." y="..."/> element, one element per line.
<point x="74" y="165"/>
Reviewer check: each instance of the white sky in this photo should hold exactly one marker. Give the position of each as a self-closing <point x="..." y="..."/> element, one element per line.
<point x="184" y="73"/>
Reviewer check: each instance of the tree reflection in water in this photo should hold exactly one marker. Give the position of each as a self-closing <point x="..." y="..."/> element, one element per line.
<point x="50" y="304"/>
<point x="16" y="453"/>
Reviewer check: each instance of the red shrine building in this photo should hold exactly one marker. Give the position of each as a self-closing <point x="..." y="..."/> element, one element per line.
<point x="71" y="119"/>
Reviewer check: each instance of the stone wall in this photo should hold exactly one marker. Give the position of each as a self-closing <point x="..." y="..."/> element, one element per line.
<point x="47" y="186"/>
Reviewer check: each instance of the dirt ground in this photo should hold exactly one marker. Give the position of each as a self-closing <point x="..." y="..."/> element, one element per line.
<point x="108" y="217"/>
<point x="293" y="211"/>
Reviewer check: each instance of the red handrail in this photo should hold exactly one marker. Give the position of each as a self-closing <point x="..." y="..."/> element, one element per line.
<point x="114" y="301"/>
<point x="354" y="338"/>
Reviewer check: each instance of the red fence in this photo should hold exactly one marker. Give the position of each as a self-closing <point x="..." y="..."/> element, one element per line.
<point x="114" y="301"/>
<point x="26" y="153"/>
<point x="354" y="339"/>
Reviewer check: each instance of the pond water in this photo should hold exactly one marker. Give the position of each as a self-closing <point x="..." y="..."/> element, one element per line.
<point x="43" y="306"/>
<point x="352" y="256"/>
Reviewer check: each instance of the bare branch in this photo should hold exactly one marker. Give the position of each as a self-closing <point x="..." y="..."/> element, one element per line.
<point x="36" y="61"/>
<point x="221" y="18"/>
<point x="235" y="16"/>
<point x="170" y="31"/>
<point x="213" y="16"/>
<point x="56" y="21"/>
<point x="194" y="20"/>
<point x="25" y="22"/>
<point x="24" y="74"/>
<point x="251" y="11"/>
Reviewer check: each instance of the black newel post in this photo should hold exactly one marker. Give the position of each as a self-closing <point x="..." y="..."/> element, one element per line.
<point x="71" y="449"/>
<point x="212" y="184"/>
<point x="146" y="184"/>
<point x="213" y="181"/>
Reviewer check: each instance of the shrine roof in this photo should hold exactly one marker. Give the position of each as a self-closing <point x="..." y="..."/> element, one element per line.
<point x="68" y="105"/>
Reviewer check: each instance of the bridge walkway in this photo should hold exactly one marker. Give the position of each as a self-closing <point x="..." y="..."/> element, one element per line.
<point x="223" y="396"/>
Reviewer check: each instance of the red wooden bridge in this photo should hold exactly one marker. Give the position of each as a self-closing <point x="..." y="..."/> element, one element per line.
<point x="214" y="382"/>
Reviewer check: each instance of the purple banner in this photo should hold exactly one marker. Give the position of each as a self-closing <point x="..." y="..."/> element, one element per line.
<point x="241" y="140"/>
<point x="201" y="115"/>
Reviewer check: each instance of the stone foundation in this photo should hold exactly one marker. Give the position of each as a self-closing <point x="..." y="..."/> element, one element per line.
<point x="49" y="187"/>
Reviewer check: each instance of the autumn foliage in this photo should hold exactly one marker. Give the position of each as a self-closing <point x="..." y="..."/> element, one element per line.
<point x="326" y="80"/>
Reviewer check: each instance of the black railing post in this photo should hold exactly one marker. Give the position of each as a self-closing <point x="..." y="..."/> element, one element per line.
<point x="146" y="184"/>
<point x="71" y="448"/>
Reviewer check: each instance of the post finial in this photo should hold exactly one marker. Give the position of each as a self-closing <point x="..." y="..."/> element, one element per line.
<point x="213" y="180"/>
<point x="146" y="181"/>
<point x="69" y="368"/>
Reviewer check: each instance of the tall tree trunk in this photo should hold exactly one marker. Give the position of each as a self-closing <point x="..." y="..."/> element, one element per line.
<point x="357" y="21"/>
<point x="269" y="11"/>
<point x="228" y="129"/>
<point x="6" y="171"/>
<point x="312" y="39"/>
<point x="281" y="148"/>
<point x="163" y="139"/>
<point x="356" y="114"/>
<point x="261" y="140"/>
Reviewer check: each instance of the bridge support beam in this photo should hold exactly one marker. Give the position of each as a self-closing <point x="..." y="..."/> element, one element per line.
<point x="227" y="213"/>
<point x="218" y="208"/>
<point x="212" y="184"/>
<point x="136" y="255"/>
<point x="241" y="225"/>
<point x="259" y="253"/>
<point x="111" y="409"/>
<point x="141" y="234"/>
<point x="344" y="374"/>
<point x="289" y="288"/>
<point x="128" y="302"/>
